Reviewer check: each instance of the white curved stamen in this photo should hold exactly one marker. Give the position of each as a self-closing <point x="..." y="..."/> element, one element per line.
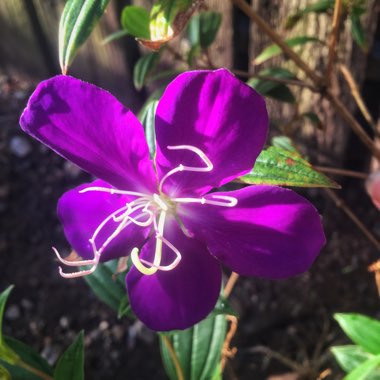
<point x="182" y="168"/>
<point x="158" y="251"/>
<point x="225" y="201"/>
<point x="151" y="209"/>
<point x="111" y="190"/>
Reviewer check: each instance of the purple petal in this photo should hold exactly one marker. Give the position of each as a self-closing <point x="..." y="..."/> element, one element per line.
<point x="179" y="298"/>
<point x="91" y="128"/>
<point x="216" y="113"/>
<point x="82" y="213"/>
<point x="272" y="232"/>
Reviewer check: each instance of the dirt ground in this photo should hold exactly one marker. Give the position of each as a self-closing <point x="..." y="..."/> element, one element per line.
<point x="292" y="317"/>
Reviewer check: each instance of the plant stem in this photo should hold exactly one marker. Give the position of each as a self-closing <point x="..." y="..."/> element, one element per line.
<point x="31" y="369"/>
<point x="333" y="39"/>
<point x="357" y="96"/>
<point x="291" y="82"/>
<point x="174" y="357"/>
<point x="230" y="284"/>
<point x="342" y="205"/>
<point x="343" y="172"/>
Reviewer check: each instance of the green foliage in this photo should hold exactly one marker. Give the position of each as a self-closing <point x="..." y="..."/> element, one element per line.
<point x="135" y="21"/>
<point x="4" y="374"/>
<point x="143" y="68"/>
<point x="198" y="349"/>
<point x="273" y="89"/>
<point x="6" y="353"/>
<point x="357" y="31"/>
<point x="28" y="356"/>
<point x="147" y="118"/>
<point x="163" y="17"/>
<point x="111" y="291"/>
<point x="78" y="19"/>
<point x="278" y="166"/>
<point x="349" y="357"/>
<point x="71" y="363"/>
<point x="274" y="50"/>
<point x="362" y="330"/>
<point x="321" y="6"/>
<point x="361" y="361"/>
<point x="203" y="28"/>
<point x="366" y="371"/>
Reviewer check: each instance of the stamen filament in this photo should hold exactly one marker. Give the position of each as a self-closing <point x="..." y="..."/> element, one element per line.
<point x="112" y="191"/>
<point x="181" y="168"/>
<point x="227" y="201"/>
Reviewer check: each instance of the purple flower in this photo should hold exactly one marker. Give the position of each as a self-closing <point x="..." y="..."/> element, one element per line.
<point x="210" y="128"/>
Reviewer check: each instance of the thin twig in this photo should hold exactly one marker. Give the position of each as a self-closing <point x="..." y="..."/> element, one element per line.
<point x="276" y="355"/>
<point x="333" y="39"/>
<point x="343" y="172"/>
<point x="246" y="8"/>
<point x="230" y="284"/>
<point x="227" y="351"/>
<point x="174" y="357"/>
<point x="346" y="209"/>
<point x="355" y="92"/>
<point x="291" y="82"/>
<point x="317" y="80"/>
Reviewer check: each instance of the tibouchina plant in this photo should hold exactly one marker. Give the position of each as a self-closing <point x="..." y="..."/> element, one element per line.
<point x="165" y="214"/>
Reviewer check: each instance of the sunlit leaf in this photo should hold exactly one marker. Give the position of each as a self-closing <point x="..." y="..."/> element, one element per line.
<point x="71" y="364"/>
<point x="365" y="370"/>
<point x="362" y="330"/>
<point x="78" y="19"/>
<point x="274" y="50"/>
<point x="167" y="19"/>
<point x="135" y="21"/>
<point x="277" y="166"/>
<point x="349" y="357"/>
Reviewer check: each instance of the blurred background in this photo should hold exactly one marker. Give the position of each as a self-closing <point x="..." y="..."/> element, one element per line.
<point x="292" y="317"/>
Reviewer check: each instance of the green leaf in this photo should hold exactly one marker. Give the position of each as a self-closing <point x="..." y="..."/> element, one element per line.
<point x="6" y="353"/>
<point x="313" y="117"/>
<point x="203" y="28"/>
<point x="110" y="291"/>
<point x="362" y="330"/>
<point x="284" y="142"/>
<point x="143" y="68"/>
<point x="71" y="363"/>
<point x="357" y="32"/>
<point x="147" y="118"/>
<point x="115" y="36"/>
<point x="349" y="357"/>
<point x="272" y="88"/>
<point x="125" y="308"/>
<point x="4" y="374"/>
<point x="135" y="21"/>
<point x="322" y="6"/>
<point x="28" y="356"/>
<point x="277" y="166"/>
<point x="198" y="349"/>
<point x="78" y="19"/>
<point x="274" y="50"/>
<point x="365" y="370"/>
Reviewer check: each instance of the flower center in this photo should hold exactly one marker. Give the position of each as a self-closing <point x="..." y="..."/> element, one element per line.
<point x="145" y="211"/>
